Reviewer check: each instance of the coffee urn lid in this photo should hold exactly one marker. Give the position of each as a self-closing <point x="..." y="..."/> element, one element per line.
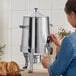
<point x="36" y="13"/>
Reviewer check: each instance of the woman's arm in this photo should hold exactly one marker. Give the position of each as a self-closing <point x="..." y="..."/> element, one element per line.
<point x="55" y="40"/>
<point x="62" y="61"/>
<point x="63" y="58"/>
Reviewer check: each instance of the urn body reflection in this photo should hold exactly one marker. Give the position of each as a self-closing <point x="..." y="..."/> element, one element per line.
<point x="35" y="30"/>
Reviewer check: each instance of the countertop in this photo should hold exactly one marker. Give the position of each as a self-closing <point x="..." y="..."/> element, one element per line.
<point x="35" y="74"/>
<point x="38" y="70"/>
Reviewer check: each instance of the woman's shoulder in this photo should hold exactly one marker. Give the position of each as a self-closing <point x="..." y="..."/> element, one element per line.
<point x="72" y="39"/>
<point x="72" y="36"/>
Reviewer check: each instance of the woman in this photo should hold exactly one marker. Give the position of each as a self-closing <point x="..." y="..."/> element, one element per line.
<point x="65" y="62"/>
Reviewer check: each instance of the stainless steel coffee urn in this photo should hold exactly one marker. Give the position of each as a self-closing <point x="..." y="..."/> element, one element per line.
<point x="35" y="35"/>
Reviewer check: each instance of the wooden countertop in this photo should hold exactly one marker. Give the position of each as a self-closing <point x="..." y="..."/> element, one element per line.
<point x="38" y="70"/>
<point x="35" y="74"/>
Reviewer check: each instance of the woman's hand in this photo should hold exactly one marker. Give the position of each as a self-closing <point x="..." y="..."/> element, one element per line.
<point x="55" y="40"/>
<point x="45" y="61"/>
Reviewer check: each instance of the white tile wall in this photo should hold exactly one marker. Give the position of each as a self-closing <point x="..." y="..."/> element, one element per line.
<point x="28" y="12"/>
<point x="6" y="5"/>
<point x="8" y="53"/>
<point x="16" y="36"/>
<point x="9" y="37"/>
<point x="45" y="4"/>
<point x="31" y="4"/>
<point x="17" y="18"/>
<point x="9" y="4"/>
<point x="17" y="9"/>
<point x="17" y="55"/>
<point x="9" y="19"/>
<point x="58" y="4"/>
<point x="41" y="4"/>
<point x="58" y="19"/>
<point x="18" y="4"/>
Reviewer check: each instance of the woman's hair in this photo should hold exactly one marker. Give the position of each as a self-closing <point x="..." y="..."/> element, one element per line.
<point x="70" y="6"/>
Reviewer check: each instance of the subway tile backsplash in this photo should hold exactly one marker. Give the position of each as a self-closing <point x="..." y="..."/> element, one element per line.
<point x="18" y="5"/>
<point x="31" y="4"/>
<point x="58" y="4"/>
<point x="17" y="18"/>
<point x="41" y="4"/>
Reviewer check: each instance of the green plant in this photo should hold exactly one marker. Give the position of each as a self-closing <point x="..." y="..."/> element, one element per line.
<point x="1" y="50"/>
<point x="62" y="32"/>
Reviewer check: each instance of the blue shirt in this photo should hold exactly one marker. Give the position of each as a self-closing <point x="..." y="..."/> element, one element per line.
<point x="65" y="62"/>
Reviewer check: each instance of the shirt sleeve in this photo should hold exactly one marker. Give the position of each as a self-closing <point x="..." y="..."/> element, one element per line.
<point x="63" y="58"/>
